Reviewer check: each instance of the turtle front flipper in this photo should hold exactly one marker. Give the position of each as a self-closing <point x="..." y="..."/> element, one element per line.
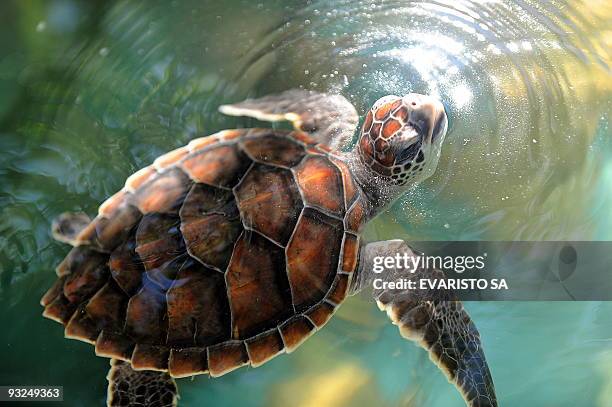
<point x="446" y="331"/>
<point x="435" y="321"/>
<point x="66" y="227"/>
<point x="130" y="388"/>
<point x="331" y="119"/>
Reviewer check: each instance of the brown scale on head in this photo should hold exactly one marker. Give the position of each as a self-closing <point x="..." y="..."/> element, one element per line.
<point x="401" y="137"/>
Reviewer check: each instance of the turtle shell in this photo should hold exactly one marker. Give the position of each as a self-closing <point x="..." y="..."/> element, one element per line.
<point x="223" y="253"/>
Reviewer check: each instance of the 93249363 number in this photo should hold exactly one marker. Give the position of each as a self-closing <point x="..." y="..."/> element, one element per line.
<point x="31" y="393"/>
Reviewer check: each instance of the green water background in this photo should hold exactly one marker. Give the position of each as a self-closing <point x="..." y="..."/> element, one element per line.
<point x="92" y="91"/>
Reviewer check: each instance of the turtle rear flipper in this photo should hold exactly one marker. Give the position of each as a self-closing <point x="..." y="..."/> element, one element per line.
<point x="331" y="119"/>
<point x="134" y="388"/>
<point x="66" y="227"/>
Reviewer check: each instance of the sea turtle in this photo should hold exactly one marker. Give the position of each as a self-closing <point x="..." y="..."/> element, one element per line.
<point x="241" y="245"/>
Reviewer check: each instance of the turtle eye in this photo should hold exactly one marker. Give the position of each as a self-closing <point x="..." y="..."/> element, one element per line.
<point x="418" y="127"/>
<point x="409" y="153"/>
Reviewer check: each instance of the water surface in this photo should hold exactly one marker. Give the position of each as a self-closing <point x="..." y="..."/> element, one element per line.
<point x="91" y="92"/>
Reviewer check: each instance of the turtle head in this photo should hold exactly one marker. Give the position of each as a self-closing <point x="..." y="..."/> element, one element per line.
<point x="402" y="136"/>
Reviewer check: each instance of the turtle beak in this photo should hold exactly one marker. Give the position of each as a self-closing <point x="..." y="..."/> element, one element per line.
<point x="427" y="115"/>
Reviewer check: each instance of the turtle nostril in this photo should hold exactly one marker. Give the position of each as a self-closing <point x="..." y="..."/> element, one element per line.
<point x="413" y="103"/>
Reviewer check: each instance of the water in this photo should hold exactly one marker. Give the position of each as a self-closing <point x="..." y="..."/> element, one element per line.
<point x="90" y="92"/>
